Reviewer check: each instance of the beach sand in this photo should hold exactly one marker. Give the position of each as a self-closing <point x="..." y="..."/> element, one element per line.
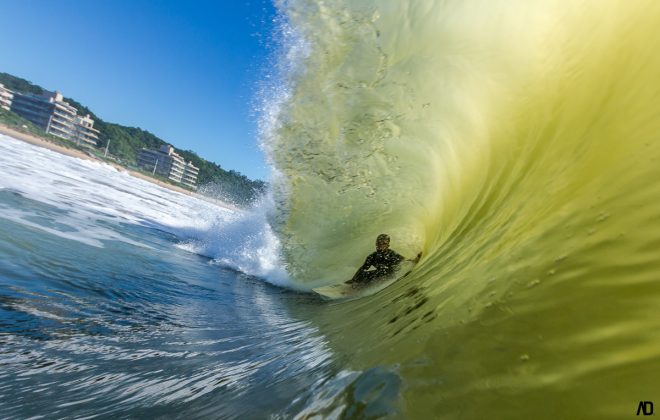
<point x="41" y="142"/>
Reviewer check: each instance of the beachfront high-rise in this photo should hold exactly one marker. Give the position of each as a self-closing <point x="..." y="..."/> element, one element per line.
<point x="48" y="111"/>
<point x="84" y="132"/>
<point x="189" y="177"/>
<point x="6" y="97"/>
<point x="166" y="162"/>
<point x="57" y="117"/>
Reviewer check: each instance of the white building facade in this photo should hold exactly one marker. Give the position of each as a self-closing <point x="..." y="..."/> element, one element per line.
<point x="166" y="162"/>
<point x="6" y="97"/>
<point x="84" y="132"/>
<point x="57" y="117"/>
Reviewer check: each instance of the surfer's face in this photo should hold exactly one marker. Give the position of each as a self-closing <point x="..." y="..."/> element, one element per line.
<point x="382" y="245"/>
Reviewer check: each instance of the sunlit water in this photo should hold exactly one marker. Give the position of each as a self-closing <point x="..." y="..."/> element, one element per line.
<point x="105" y="311"/>
<point x="517" y="143"/>
<point x="514" y="143"/>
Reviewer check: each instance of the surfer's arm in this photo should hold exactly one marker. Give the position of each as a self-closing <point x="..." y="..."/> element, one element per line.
<point x="365" y="266"/>
<point x="398" y="258"/>
<point x="354" y="276"/>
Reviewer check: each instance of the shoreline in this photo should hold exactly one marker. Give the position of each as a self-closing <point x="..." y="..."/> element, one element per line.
<point x="46" y="144"/>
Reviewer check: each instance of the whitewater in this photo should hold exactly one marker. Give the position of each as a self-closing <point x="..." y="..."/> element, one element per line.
<point x="514" y="143"/>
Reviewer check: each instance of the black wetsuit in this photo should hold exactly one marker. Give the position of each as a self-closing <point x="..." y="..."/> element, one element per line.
<point x="384" y="261"/>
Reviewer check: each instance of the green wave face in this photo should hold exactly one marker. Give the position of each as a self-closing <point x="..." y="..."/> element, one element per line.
<point x="517" y="144"/>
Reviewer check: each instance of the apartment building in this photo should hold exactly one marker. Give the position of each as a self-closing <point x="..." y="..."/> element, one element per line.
<point x="6" y="97"/>
<point x="189" y="177"/>
<point x="166" y="162"/>
<point x="57" y="117"/>
<point x="84" y="132"/>
<point x="48" y="111"/>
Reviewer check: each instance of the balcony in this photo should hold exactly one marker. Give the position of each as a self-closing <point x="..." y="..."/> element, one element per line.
<point x="83" y="131"/>
<point x="58" y="128"/>
<point x="64" y="115"/>
<point x="54" y="128"/>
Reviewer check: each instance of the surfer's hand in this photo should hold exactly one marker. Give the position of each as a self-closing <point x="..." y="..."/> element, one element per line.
<point x="416" y="260"/>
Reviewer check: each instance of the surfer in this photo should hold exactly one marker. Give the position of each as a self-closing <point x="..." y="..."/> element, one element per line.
<point x="384" y="260"/>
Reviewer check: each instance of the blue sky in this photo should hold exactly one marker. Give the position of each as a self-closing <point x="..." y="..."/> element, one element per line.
<point x="187" y="71"/>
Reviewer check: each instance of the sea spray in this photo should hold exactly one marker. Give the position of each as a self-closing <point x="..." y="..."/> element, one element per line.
<point x="243" y="242"/>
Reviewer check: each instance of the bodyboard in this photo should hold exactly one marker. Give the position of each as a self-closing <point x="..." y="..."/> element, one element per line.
<point x="351" y="291"/>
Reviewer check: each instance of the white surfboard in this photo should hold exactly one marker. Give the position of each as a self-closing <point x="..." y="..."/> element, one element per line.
<point x="346" y="291"/>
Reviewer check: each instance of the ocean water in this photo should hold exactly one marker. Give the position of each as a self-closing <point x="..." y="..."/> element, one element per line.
<point x="515" y="143"/>
<point x="121" y="298"/>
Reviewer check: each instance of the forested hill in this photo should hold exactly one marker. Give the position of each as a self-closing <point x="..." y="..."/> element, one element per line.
<point x="126" y="142"/>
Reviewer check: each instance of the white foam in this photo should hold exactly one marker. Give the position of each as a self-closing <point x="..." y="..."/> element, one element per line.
<point x="91" y="192"/>
<point x="246" y="243"/>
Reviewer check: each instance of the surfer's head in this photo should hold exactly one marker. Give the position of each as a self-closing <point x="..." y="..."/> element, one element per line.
<point x="382" y="242"/>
